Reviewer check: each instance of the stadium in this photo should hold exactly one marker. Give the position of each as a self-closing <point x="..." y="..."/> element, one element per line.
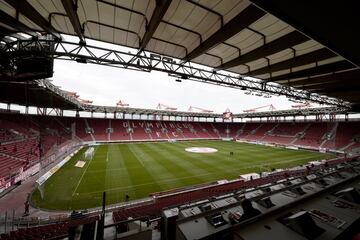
<point x="71" y="168"/>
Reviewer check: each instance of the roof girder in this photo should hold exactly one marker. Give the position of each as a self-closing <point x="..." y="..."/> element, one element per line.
<point x="159" y="12"/>
<point x="70" y="9"/>
<point x="296" y="61"/>
<point x="335" y="77"/>
<point x="318" y="70"/>
<point x="12" y="22"/>
<point x="320" y="20"/>
<point x="332" y="86"/>
<point x="277" y="45"/>
<point x="31" y="13"/>
<point x="245" y="18"/>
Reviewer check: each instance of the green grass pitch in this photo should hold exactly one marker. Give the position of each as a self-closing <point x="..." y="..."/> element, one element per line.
<point x="138" y="169"/>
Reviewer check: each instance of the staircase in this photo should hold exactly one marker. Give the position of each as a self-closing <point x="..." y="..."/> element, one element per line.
<point x="166" y="133"/>
<point x="238" y="132"/>
<point x="217" y="132"/>
<point x="109" y="133"/>
<point x="88" y="127"/>
<point x="130" y="134"/>
<point x="347" y="146"/>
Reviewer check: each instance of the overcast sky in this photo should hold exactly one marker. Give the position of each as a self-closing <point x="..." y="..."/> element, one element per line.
<point x="106" y="85"/>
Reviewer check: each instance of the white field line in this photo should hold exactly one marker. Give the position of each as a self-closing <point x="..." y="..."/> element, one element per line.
<point x="78" y="184"/>
<point x="139" y="158"/>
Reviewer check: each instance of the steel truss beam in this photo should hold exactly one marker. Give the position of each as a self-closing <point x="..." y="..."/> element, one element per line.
<point x="145" y="61"/>
<point x="294" y="112"/>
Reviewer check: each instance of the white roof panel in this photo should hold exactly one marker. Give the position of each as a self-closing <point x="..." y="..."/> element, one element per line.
<point x="330" y="60"/>
<point x="208" y="60"/>
<point x="246" y="40"/>
<point x="306" y="47"/>
<point x="224" y="51"/>
<point x="271" y="27"/>
<point x="239" y="69"/>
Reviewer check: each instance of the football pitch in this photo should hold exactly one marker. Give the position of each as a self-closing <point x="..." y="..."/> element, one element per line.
<point x="138" y="169"/>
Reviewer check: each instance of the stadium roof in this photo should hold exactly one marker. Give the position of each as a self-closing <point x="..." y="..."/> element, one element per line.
<point x="40" y="93"/>
<point x="309" y="45"/>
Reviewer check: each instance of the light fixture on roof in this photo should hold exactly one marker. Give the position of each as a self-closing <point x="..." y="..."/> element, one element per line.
<point x="167" y="59"/>
<point x="155" y="56"/>
<point x="81" y="60"/>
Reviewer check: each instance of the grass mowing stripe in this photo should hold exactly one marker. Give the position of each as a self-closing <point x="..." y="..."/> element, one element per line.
<point x="191" y="170"/>
<point x="155" y="169"/>
<point x="142" y="168"/>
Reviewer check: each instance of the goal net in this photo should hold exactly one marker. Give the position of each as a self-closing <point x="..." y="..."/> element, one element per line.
<point x="89" y="153"/>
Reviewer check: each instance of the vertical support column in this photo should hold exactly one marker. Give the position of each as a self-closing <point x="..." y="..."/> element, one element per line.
<point x="101" y="222"/>
<point x="332" y="116"/>
<point x="8" y="107"/>
<point x="115" y="115"/>
<point x="346" y="117"/>
<point x="92" y="114"/>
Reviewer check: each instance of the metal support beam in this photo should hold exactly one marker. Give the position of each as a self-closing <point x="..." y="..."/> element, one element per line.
<point x="145" y="62"/>
<point x="31" y="13"/>
<point x="71" y="11"/>
<point x="13" y="23"/>
<point x="280" y="44"/>
<point x="353" y="75"/>
<point x="315" y="56"/>
<point x="315" y="18"/>
<point x="245" y="18"/>
<point x="160" y="10"/>
<point x="323" y="69"/>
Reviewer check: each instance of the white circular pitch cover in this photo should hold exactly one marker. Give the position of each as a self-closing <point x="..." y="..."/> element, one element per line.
<point x="201" y="150"/>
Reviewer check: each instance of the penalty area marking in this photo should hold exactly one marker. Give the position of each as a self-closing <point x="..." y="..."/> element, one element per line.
<point x="201" y="150"/>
